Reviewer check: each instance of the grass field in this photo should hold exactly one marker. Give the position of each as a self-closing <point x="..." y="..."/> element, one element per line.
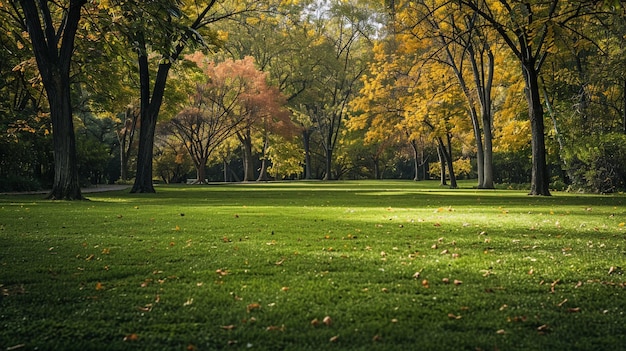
<point x="374" y="265"/>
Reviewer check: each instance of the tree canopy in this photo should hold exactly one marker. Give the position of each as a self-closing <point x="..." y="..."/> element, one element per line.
<point x="506" y="92"/>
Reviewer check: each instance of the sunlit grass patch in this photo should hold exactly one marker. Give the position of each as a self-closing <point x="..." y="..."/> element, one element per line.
<point x="393" y="265"/>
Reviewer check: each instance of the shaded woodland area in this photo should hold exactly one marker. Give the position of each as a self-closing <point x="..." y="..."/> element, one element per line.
<point x="521" y="93"/>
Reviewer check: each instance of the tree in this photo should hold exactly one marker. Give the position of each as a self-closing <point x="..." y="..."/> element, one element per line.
<point x="529" y="30"/>
<point x="165" y="28"/>
<point x="344" y="30"/>
<point x="215" y="112"/>
<point x="53" y="47"/>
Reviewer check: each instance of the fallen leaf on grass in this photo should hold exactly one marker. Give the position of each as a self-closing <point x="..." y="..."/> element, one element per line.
<point x="276" y="328"/>
<point x="131" y="337"/>
<point x="553" y="285"/>
<point x="146" y="308"/>
<point x="228" y="327"/>
<point x="562" y="303"/>
<point x="615" y="270"/>
<point x="457" y="282"/>
<point x="315" y="322"/>
<point x="334" y="338"/>
<point x="99" y="286"/>
<point x="252" y="307"/>
<point x="188" y="302"/>
<point x="542" y="328"/>
<point x="500" y="332"/>
<point x="327" y="320"/>
<point x="574" y="310"/>
<point x="425" y="283"/>
<point x="453" y="316"/>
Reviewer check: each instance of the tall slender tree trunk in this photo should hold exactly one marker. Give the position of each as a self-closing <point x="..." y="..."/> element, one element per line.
<point x="447" y="153"/>
<point x="442" y="162"/>
<point x="416" y="163"/>
<point x="540" y="180"/>
<point x="263" y="176"/>
<point x="328" y="165"/>
<point x="624" y="107"/>
<point x="488" y="153"/>
<point x="150" y="106"/>
<point x="306" y="143"/>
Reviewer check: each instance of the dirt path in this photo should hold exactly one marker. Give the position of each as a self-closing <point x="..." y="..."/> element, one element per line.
<point x="92" y="189"/>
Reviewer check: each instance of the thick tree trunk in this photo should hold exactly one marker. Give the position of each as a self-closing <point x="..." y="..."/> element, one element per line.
<point x="53" y="49"/>
<point x="200" y="173"/>
<point x="66" y="185"/>
<point x="540" y="179"/>
<point x="248" y="161"/>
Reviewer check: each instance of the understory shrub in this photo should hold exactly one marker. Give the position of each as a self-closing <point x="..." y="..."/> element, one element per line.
<point x="598" y="163"/>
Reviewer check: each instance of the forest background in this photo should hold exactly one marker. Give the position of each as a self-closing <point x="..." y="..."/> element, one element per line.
<point x="528" y="94"/>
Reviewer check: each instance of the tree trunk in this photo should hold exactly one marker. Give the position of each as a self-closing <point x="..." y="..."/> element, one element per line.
<point x="447" y="153"/>
<point x="149" y="113"/>
<point x="539" y="178"/>
<point x="200" y="173"/>
<point x="488" y="154"/>
<point x="306" y="143"/>
<point x="328" y="165"/>
<point x="263" y="176"/>
<point x="416" y="163"/>
<point x="53" y="49"/>
<point x="624" y="107"/>
<point x="442" y="162"/>
<point x="248" y="162"/>
<point x="66" y="185"/>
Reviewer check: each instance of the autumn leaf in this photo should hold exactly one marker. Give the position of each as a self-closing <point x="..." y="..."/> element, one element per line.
<point x="228" y="327"/>
<point x="99" y="286"/>
<point x="252" y="307"/>
<point x="334" y="338"/>
<point x="327" y="320"/>
<point x="131" y="337"/>
<point x="453" y="316"/>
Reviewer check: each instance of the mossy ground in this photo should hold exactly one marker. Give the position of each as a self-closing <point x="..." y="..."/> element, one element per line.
<point x="250" y="266"/>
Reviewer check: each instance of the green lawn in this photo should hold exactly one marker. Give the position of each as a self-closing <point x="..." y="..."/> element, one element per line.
<point x="393" y="264"/>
